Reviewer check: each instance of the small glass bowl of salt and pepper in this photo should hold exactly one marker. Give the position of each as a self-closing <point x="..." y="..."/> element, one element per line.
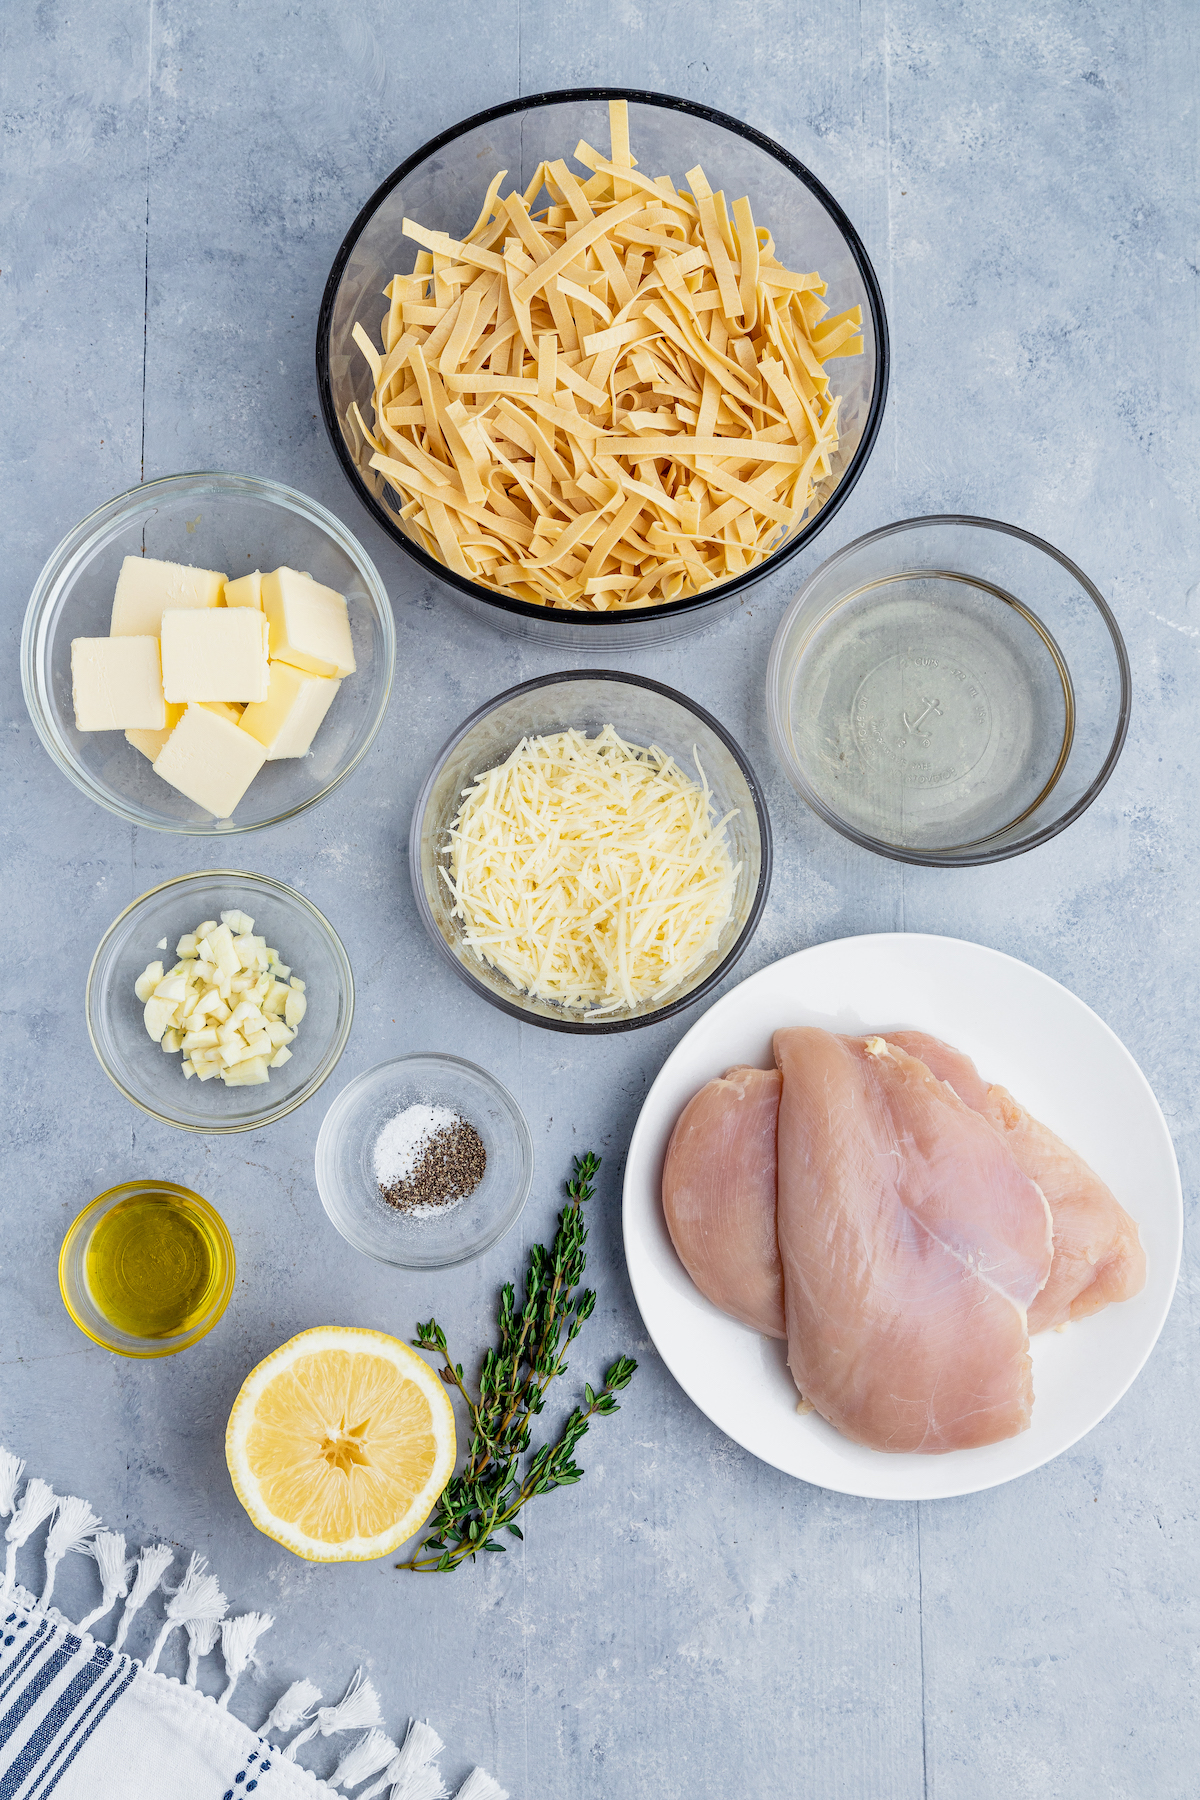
<point x="424" y="1161"/>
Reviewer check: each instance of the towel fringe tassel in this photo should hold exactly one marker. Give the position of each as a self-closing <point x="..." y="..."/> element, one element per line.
<point x="202" y="1635"/>
<point x="73" y="1528"/>
<point x="363" y="1759"/>
<point x="413" y="1774"/>
<point x="199" y="1606"/>
<point x="35" y="1506"/>
<point x="294" y="1707"/>
<point x="152" y="1564"/>
<point x="107" y="1550"/>
<point x="357" y="1708"/>
<point x="479" y="1785"/>
<point x="238" y="1638"/>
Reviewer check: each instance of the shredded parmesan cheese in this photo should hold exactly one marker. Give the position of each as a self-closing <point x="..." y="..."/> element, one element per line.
<point x="614" y="401"/>
<point x="590" y="871"/>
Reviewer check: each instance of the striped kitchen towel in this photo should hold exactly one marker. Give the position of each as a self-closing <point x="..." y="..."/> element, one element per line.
<point x="82" y="1720"/>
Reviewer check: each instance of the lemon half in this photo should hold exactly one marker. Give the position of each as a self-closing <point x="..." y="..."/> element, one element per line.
<point x="339" y="1443"/>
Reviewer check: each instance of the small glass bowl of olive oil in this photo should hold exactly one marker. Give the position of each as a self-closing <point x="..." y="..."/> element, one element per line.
<point x="147" y="1269"/>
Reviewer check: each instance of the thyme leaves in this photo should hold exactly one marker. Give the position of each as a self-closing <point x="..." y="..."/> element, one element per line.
<point x="534" y="1338"/>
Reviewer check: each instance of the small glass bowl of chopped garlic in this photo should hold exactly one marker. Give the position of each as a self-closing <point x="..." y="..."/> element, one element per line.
<point x="264" y="982"/>
<point x="598" y="360"/>
<point x="591" y="851"/>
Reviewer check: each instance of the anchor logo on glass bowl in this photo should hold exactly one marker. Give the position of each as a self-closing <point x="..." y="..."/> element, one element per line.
<point x="913" y="726"/>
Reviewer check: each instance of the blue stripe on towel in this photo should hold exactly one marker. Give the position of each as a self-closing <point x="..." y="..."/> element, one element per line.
<point x="51" y="1668"/>
<point x="83" y="1728"/>
<point x="28" y="1653"/>
<point x="47" y="1777"/>
<point x="48" y="1729"/>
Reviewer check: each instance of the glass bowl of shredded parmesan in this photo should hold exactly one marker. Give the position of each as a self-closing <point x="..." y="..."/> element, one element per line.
<point x="591" y="851"/>
<point x="601" y="359"/>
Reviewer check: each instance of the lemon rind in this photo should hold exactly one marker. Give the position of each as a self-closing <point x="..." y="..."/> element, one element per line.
<point x="356" y="1549"/>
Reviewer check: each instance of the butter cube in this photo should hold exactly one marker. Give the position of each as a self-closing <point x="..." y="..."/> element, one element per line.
<point x="287" y="720"/>
<point x="246" y="591"/>
<point x="310" y="626"/>
<point x="146" y="588"/>
<point x="116" y="684"/>
<point x="220" y="654"/>
<point x="210" y="760"/>
<point x="151" y="742"/>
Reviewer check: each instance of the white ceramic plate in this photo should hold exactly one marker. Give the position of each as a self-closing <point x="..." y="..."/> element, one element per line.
<point x="1024" y="1031"/>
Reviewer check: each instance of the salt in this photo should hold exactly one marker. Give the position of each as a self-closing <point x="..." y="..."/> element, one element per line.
<point x="400" y="1144"/>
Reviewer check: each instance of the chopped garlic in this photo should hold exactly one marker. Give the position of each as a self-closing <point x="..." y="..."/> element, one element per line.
<point x="228" y="1004"/>
<point x="147" y="981"/>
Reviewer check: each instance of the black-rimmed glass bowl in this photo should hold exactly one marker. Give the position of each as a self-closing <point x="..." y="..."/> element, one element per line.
<point x="442" y="186"/>
<point x="642" y="712"/>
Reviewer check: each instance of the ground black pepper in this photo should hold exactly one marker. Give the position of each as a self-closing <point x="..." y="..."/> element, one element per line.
<point x="450" y="1167"/>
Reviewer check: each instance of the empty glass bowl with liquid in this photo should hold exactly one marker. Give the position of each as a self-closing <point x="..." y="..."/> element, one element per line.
<point x="948" y="691"/>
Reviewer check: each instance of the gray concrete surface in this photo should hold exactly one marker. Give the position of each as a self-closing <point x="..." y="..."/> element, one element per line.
<point x="686" y="1622"/>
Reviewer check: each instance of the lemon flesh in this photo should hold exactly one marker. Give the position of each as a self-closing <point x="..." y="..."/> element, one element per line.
<point x="339" y="1443"/>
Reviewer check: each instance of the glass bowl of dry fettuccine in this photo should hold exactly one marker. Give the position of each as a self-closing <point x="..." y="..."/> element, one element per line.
<point x="601" y="360"/>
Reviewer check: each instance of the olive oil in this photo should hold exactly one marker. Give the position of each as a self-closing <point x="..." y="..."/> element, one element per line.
<point x="153" y="1265"/>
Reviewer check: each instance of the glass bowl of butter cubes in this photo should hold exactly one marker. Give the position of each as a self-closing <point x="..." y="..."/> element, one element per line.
<point x="219" y="1002"/>
<point x="208" y="653"/>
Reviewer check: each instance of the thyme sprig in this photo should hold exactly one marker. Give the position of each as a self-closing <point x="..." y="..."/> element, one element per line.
<point x="533" y="1343"/>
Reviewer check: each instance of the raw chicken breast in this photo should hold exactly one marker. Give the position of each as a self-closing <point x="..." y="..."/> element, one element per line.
<point x="718" y="1194"/>
<point x="947" y="1063"/>
<point x="912" y="1246"/>
<point x="1098" y="1256"/>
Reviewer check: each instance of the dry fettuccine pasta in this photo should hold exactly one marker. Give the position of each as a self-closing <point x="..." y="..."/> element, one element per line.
<point x="613" y="402"/>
